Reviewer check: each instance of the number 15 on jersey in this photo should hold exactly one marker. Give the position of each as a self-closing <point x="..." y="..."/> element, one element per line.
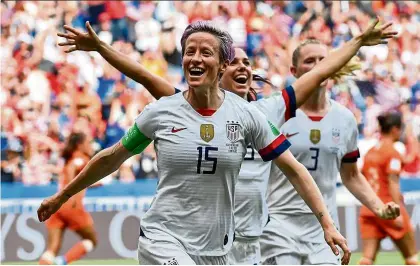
<point x="207" y="157"/>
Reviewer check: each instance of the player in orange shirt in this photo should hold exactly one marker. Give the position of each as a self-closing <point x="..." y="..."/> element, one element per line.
<point x="72" y="214"/>
<point x="382" y="167"/>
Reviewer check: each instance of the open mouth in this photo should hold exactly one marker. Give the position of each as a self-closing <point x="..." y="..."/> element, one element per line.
<point x="241" y="79"/>
<point x="196" y="72"/>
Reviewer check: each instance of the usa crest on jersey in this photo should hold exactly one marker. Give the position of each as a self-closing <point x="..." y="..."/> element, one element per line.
<point x="232" y="131"/>
<point x="336" y="135"/>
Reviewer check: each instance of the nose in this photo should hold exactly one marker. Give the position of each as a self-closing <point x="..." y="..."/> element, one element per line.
<point x="196" y="58"/>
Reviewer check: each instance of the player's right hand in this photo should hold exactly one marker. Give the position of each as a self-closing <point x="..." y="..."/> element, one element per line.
<point x="333" y="238"/>
<point x="49" y="206"/>
<point x="80" y="41"/>
<point x="390" y="211"/>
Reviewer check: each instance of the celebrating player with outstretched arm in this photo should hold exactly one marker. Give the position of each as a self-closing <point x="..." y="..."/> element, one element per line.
<point x="324" y="138"/>
<point x="382" y="167"/>
<point x="201" y="137"/>
<point x="250" y="208"/>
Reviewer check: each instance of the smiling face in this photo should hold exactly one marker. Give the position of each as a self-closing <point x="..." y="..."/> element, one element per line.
<point x="201" y="61"/>
<point x="237" y="77"/>
<point x="309" y="56"/>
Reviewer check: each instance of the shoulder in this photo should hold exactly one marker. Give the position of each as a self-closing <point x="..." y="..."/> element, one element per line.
<point x="344" y="115"/>
<point x="164" y="104"/>
<point x="342" y="111"/>
<point x="237" y="102"/>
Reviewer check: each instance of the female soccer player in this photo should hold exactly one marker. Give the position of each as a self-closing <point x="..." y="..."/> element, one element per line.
<point x="324" y="139"/>
<point x="72" y="214"/>
<point x="382" y="167"/>
<point x="250" y="208"/>
<point x="201" y="137"/>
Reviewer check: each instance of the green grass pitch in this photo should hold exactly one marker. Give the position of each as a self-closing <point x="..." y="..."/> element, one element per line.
<point x="384" y="258"/>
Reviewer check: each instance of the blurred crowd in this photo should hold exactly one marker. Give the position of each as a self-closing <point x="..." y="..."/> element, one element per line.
<point x="46" y="94"/>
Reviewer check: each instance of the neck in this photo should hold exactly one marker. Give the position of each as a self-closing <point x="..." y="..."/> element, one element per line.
<point x="387" y="138"/>
<point x="205" y="98"/>
<point x="317" y="103"/>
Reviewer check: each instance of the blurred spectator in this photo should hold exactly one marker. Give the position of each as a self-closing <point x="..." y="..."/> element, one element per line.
<point x="46" y="94"/>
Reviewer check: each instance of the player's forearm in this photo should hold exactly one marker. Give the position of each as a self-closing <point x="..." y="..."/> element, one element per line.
<point x="394" y="191"/>
<point x="306" y="187"/>
<point x="338" y="58"/>
<point x="101" y="165"/>
<point x="361" y="189"/>
<point x="310" y="81"/>
<point x="156" y="85"/>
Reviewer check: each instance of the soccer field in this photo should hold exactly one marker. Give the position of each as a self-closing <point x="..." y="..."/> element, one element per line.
<point x="384" y="258"/>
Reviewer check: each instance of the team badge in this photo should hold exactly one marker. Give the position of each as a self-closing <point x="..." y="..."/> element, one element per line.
<point x="336" y="135"/>
<point x="232" y="131"/>
<point x="207" y="132"/>
<point x="315" y="136"/>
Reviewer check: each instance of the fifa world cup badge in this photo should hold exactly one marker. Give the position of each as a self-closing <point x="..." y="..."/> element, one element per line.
<point x="315" y="136"/>
<point x="207" y="132"/>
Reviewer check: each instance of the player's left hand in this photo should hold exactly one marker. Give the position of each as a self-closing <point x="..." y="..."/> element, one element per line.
<point x="376" y="35"/>
<point x="333" y="238"/>
<point x="389" y="211"/>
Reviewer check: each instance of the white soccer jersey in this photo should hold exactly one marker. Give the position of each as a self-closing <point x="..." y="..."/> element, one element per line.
<point x="321" y="144"/>
<point x="199" y="158"/>
<point x="251" y="211"/>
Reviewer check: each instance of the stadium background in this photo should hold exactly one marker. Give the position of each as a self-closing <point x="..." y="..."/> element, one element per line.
<point x="45" y="94"/>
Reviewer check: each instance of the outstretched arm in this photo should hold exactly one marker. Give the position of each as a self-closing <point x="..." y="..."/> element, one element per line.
<point x="310" y="81"/>
<point x="89" y="41"/>
<point x="101" y="165"/>
<point x="357" y="184"/>
<point x="308" y="190"/>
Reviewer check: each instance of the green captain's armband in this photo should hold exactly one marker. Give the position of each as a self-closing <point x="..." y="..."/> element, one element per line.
<point x="135" y="141"/>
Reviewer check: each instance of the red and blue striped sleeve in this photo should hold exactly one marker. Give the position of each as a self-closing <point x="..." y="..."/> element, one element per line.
<point x="290" y="102"/>
<point x="275" y="149"/>
<point x="351" y="157"/>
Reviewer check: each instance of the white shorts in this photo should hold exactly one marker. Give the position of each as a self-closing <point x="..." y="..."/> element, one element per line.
<point x="153" y="252"/>
<point x="245" y="251"/>
<point x="306" y="254"/>
<point x="283" y="243"/>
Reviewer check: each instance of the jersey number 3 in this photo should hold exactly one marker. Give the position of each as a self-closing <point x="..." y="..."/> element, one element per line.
<point x="207" y="157"/>
<point x="315" y="158"/>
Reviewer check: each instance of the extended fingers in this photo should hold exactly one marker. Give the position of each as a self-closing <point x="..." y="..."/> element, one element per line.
<point x="67" y="43"/>
<point x="347" y="253"/>
<point x="72" y="30"/>
<point x="66" y="35"/>
<point x="71" y="49"/>
<point x="374" y="23"/>
<point x="385" y="26"/>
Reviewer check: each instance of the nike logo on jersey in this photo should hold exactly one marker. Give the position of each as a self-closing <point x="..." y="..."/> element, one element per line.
<point x="291" y="135"/>
<point x="174" y="130"/>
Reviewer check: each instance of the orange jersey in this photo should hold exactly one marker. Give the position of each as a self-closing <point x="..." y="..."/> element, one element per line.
<point x="72" y="214"/>
<point x="380" y="162"/>
<point x="71" y="169"/>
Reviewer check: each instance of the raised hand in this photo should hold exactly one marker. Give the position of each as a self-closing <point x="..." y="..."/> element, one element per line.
<point x="49" y="206"/>
<point x="80" y="41"/>
<point x="390" y="211"/>
<point x="377" y="35"/>
<point x="333" y="238"/>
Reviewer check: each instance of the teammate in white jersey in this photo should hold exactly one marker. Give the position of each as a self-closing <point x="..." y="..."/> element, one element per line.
<point x="324" y="139"/>
<point x="250" y="208"/>
<point x="201" y="137"/>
